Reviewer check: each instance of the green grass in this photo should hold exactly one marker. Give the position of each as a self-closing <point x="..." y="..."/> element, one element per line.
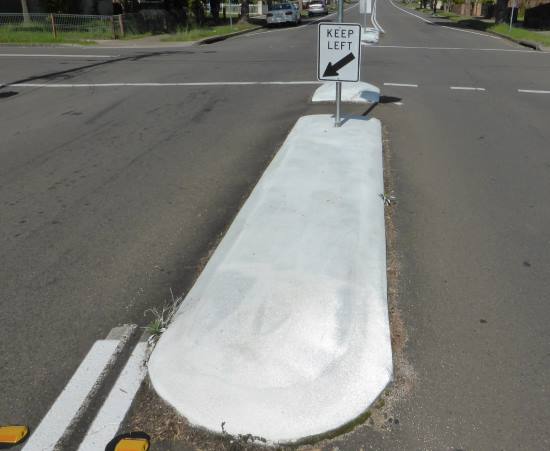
<point x="517" y="32"/>
<point x="43" y="37"/>
<point x="522" y="34"/>
<point x="194" y="34"/>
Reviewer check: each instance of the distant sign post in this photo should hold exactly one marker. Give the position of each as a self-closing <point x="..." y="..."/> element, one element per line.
<point x="365" y="8"/>
<point x="339" y="56"/>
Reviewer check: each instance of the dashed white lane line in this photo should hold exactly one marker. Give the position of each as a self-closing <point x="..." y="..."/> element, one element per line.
<point x="466" y="88"/>
<point x="533" y="91"/>
<point x="51" y="55"/>
<point x="145" y="85"/>
<point x="77" y="393"/>
<point x="113" y="411"/>
<point x="406" y="85"/>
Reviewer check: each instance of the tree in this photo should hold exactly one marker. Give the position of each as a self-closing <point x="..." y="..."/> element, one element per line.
<point x="197" y="8"/>
<point x="501" y="11"/>
<point x="25" y="10"/>
<point x="215" y="10"/>
<point x="245" y="10"/>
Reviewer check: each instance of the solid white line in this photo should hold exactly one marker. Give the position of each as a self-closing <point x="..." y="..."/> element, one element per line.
<point x="408" y="47"/>
<point x="442" y="26"/>
<point x="113" y="411"/>
<point x="407" y="85"/>
<point x="410" y="13"/>
<point x="117" y="85"/>
<point x="73" y="396"/>
<point x="466" y="88"/>
<point x="470" y="32"/>
<point x="45" y="55"/>
<point x="375" y="19"/>
<point x="533" y="91"/>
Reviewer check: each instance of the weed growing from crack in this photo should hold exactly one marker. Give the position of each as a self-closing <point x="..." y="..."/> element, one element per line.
<point x="388" y="199"/>
<point x="161" y="318"/>
<point x="241" y="439"/>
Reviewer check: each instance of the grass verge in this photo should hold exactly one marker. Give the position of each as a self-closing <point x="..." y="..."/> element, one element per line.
<point x="194" y="34"/>
<point x="522" y="34"/>
<point x="42" y="37"/>
<point x="517" y="32"/>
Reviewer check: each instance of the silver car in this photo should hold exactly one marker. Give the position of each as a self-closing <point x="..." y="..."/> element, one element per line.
<point x="317" y="7"/>
<point x="283" y="13"/>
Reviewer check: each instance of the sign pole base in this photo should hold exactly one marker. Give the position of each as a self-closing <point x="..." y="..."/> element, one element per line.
<point x="337" y="122"/>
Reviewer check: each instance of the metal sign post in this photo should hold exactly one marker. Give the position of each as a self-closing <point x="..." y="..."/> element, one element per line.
<point x="337" y="122"/>
<point x="512" y="14"/>
<point x="339" y="55"/>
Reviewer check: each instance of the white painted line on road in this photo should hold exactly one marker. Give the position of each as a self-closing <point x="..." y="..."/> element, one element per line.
<point x="76" y="395"/>
<point x="410" y="13"/>
<point x="533" y="91"/>
<point x="374" y="19"/>
<point x="113" y="411"/>
<point x="352" y="92"/>
<point x="51" y="55"/>
<point x="466" y="88"/>
<point x="410" y="47"/>
<point x="470" y="32"/>
<point x="406" y="85"/>
<point x="145" y="85"/>
<point x="442" y="26"/>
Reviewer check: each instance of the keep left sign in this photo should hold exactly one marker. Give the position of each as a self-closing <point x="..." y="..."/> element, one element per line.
<point x="339" y="52"/>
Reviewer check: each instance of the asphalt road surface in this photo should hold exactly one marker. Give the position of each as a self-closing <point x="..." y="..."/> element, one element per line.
<point x="110" y="196"/>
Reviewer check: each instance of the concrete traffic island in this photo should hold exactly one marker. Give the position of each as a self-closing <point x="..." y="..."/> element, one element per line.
<point x="370" y="35"/>
<point x="352" y="92"/>
<point x="285" y="334"/>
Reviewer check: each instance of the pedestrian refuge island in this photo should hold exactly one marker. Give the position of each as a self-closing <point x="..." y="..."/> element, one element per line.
<point x="285" y="333"/>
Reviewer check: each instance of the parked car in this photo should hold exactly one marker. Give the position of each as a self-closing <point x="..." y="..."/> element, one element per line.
<point x="283" y="13"/>
<point x="317" y="7"/>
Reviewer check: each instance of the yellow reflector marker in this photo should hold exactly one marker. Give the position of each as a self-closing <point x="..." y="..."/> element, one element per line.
<point x="132" y="444"/>
<point x="11" y="435"/>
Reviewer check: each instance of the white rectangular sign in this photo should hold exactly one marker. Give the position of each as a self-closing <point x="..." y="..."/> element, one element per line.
<point x="339" y="51"/>
<point x="365" y="6"/>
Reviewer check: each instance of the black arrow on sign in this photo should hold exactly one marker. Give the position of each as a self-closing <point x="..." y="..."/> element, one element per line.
<point x="332" y="69"/>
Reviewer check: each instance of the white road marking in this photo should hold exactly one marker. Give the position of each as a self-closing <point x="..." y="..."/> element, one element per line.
<point x="374" y="19"/>
<point x="406" y="85"/>
<point x="533" y="91"/>
<point x="113" y="411"/>
<point x="442" y="26"/>
<point x="470" y="32"/>
<point x="51" y="55"/>
<point x="145" y="85"/>
<point x="75" y="396"/>
<point x="411" y="47"/>
<point x="466" y="88"/>
<point x="410" y="13"/>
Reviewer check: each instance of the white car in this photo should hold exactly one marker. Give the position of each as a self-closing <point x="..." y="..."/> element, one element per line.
<point x="283" y="13"/>
<point x="317" y="7"/>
